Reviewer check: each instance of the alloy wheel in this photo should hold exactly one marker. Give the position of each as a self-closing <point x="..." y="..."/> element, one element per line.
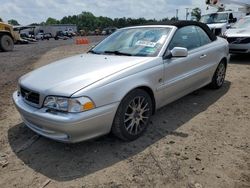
<point x="221" y="73"/>
<point x="137" y="115"/>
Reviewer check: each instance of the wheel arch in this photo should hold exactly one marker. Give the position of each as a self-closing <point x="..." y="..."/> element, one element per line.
<point x="6" y="33"/>
<point x="117" y="128"/>
<point x="225" y="61"/>
<point x="149" y="91"/>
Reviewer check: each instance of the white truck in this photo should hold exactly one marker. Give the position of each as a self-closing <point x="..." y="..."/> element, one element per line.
<point x="222" y="20"/>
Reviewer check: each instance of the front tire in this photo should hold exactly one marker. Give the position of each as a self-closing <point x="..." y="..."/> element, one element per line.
<point x="219" y="76"/>
<point x="133" y="115"/>
<point x="6" y="43"/>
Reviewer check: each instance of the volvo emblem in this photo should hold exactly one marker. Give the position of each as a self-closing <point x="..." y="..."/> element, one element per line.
<point x="26" y="95"/>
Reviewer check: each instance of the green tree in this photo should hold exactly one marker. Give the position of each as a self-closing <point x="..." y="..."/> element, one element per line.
<point x="51" y="21"/>
<point x="174" y="19"/>
<point x="89" y="22"/>
<point x="1" y="20"/>
<point x="165" y="20"/>
<point x="13" y="22"/>
<point x="196" y="13"/>
<point x="34" y="24"/>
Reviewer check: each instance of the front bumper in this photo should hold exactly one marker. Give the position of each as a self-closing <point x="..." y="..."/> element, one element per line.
<point x="239" y="48"/>
<point x="67" y="127"/>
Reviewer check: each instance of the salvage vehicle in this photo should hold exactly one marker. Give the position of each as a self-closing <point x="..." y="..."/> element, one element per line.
<point x="28" y="38"/>
<point x="109" y="30"/>
<point x="239" y="36"/>
<point x="39" y="36"/>
<point x="47" y="36"/>
<point x="219" y="22"/>
<point x="119" y="84"/>
<point x="61" y="35"/>
<point x="222" y="20"/>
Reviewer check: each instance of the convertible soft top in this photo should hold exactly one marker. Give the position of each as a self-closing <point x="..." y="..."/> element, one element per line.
<point x="183" y="23"/>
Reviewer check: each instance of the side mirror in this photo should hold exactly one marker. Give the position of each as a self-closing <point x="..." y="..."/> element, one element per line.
<point x="179" y="52"/>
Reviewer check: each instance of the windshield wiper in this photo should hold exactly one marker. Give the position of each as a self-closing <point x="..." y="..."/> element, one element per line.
<point x="117" y="53"/>
<point x="93" y="52"/>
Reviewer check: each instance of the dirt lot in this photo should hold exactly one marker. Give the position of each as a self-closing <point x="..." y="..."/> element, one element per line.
<point x="202" y="140"/>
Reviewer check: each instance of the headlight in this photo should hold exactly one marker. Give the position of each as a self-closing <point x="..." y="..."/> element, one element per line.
<point x="73" y="105"/>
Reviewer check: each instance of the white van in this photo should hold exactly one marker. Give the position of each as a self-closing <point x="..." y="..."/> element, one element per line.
<point x="219" y="22"/>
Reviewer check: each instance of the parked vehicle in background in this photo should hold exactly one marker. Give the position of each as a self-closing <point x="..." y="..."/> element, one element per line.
<point x="67" y="34"/>
<point x="222" y="20"/>
<point x="98" y="32"/>
<point x="39" y="36"/>
<point x="121" y="82"/>
<point x="83" y="32"/>
<point x="109" y="30"/>
<point x="47" y="36"/>
<point x="71" y="32"/>
<point x="61" y="35"/>
<point x="91" y="33"/>
<point x="244" y="5"/>
<point x="219" y="22"/>
<point x="239" y="36"/>
<point x="27" y="37"/>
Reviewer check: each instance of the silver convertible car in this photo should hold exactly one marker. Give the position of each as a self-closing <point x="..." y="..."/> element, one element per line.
<point x="119" y="84"/>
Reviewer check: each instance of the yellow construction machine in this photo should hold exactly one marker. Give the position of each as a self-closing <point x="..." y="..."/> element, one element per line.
<point x="7" y="37"/>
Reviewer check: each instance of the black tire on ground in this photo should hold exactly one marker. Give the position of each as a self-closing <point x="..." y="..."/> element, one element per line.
<point x="6" y="43"/>
<point x="133" y="115"/>
<point x="219" y="76"/>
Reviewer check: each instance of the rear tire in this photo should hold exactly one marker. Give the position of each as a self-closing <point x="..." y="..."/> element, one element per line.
<point x="6" y="43"/>
<point x="219" y="76"/>
<point x="133" y="115"/>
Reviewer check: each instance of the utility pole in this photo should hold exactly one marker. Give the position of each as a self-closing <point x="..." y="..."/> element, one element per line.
<point x="187" y="13"/>
<point x="177" y="13"/>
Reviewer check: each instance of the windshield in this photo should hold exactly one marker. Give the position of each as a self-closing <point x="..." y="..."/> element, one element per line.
<point x="243" y="23"/>
<point x="146" y="41"/>
<point x="214" y="18"/>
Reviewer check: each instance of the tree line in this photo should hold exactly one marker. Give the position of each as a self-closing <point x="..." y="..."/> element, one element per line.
<point x="89" y="22"/>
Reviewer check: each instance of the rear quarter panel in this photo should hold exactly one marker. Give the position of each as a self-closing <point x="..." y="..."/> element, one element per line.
<point x="216" y="51"/>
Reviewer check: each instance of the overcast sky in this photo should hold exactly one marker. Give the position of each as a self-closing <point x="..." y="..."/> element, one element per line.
<point x="36" y="11"/>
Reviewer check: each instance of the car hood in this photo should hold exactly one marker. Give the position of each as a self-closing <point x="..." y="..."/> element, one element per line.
<point x="67" y="76"/>
<point x="216" y="25"/>
<point x="238" y="32"/>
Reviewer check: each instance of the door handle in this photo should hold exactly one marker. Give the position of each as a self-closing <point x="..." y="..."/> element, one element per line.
<point x="203" y="56"/>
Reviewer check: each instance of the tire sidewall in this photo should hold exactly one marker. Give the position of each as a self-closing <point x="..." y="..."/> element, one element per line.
<point x="3" y="39"/>
<point x="122" y="110"/>
<point x="214" y="83"/>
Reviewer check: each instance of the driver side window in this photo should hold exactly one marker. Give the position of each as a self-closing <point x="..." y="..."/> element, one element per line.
<point x="186" y="37"/>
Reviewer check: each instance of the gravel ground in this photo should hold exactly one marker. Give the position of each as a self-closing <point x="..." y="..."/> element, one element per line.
<point x="201" y="140"/>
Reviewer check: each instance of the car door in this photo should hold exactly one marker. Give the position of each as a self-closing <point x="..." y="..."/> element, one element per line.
<point x="210" y="56"/>
<point x="181" y="75"/>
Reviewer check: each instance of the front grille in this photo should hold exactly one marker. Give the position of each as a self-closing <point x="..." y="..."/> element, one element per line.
<point x="238" y="40"/>
<point x="30" y="96"/>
